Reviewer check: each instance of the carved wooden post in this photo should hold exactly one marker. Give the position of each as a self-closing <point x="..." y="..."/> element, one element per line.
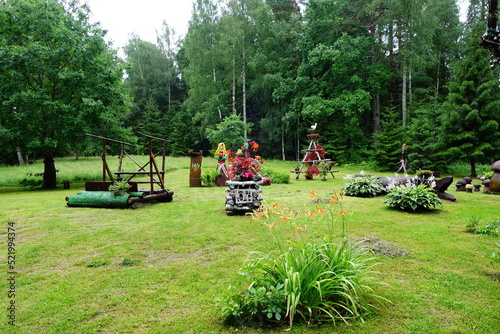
<point x="195" y="168"/>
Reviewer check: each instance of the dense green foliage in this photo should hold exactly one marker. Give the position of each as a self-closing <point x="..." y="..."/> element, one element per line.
<point x="58" y="80"/>
<point x="209" y="176"/>
<point x="277" y="177"/>
<point x="414" y="197"/>
<point x="363" y="186"/>
<point x="373" y="76"/>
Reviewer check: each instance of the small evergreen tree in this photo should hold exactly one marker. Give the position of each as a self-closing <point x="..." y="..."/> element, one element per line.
<point x="422" y="133"/>
<point x="389" y="141"/>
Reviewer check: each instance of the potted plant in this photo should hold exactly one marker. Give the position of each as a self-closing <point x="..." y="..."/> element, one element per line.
<point x="243" y="187"/>
<point x="311" y="172"/>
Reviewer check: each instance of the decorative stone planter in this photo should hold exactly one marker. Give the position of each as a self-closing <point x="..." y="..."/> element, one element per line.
<point x="243" y="196"/>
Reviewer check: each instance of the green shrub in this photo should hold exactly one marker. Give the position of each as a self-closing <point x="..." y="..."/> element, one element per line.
<point x="209" y="176"/>
<point x="424" y="173"/>
<point x="276" y="176"/>
<point x="308" y="282"/>
<point x="32" y="183"/>
<point x="249" y="306"/>
<point x="493" y="228"/>
<point x="119" y="187"/>
<point x="364" y="186"/>
<point x="412" y="197"/>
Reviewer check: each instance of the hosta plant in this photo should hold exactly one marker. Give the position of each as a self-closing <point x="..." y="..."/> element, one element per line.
<point x="414" y="197"/>
<point x="362" y="186"/>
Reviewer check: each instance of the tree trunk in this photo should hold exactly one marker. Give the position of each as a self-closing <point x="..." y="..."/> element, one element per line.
<point x="403" y="94"/>
<point x="376" y="114"/>
<point x="244" y="84"/>
<point x="283" y="142"/>
<point x="19" y="156"/>
<point x="49" y="172"/>
<point x="234" y="86"/>
<point x="473" y="172"/>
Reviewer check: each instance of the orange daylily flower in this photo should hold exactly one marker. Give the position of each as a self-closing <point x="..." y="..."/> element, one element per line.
<point x="255" y="215"/>
<point x="335" y="199"/>
<point x="312" y="214"/>
<point x="298" y="228"/>
<point x="342" y="213"/>
<point x="271" y="226"/>
<point x="276" y="205"/>
<point x="284" y="218"/>
<point x="320" y="210"/>
<point x="314" y="193"/>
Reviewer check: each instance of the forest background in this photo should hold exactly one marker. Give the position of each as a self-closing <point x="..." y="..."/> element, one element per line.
<point x="373" y="75"/>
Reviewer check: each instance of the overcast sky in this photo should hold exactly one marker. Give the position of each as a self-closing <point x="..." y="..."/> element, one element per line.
<point x="143" y="17"/>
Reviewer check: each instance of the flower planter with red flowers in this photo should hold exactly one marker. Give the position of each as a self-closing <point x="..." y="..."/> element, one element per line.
<point x="243" y="187"/>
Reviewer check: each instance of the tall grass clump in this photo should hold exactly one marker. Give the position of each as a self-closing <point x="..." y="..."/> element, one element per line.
<point x="309" y="282"/>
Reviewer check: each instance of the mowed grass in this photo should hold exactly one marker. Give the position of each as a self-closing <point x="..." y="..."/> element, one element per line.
<point x="161" y="268"/>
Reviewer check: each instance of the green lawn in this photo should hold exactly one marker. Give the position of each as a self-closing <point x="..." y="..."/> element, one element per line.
<point x="161" y="268"/>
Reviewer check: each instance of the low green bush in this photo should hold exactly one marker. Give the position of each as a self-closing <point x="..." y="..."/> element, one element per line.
<point x="276" y="176"/>
<point x="492" y="228"/>
<point x="414" y="197"/>
<point x="119" y="188"/>
<point x="209" y="176"/>
<point x="30" y="183"/>
<point x="364" y="186"/>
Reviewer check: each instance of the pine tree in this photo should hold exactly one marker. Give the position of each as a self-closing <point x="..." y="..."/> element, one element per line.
<point x="389" y="142"/>
<point x="471" y="120"/>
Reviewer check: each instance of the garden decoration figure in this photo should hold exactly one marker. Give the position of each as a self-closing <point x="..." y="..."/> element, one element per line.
<point x="243" y="187"/>
<point x="403" y="160"/>
<point x="221" y="156"/>
<point x="195" y="168"/>
<point x="313" y="156"/>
